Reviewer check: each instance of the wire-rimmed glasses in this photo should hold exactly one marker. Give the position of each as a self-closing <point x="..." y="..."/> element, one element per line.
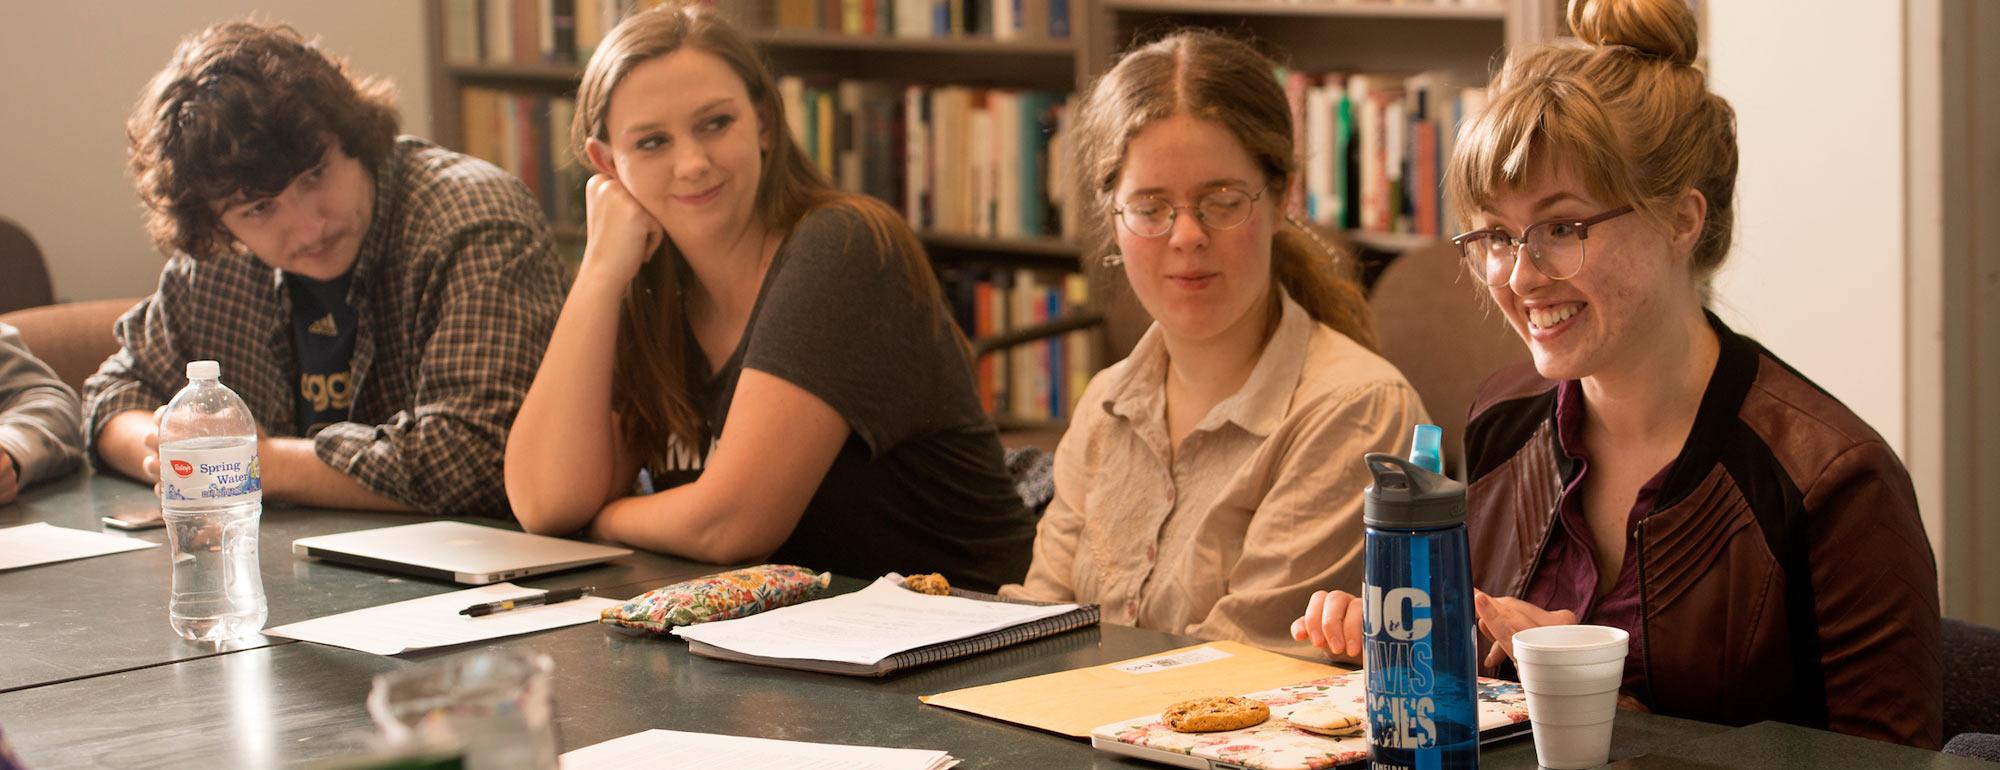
<point x="1555" y="247"/>
<point x="1218" y="209"/>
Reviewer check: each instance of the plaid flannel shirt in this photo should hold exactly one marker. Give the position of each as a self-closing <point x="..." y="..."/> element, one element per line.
<point x="456" y="288"/>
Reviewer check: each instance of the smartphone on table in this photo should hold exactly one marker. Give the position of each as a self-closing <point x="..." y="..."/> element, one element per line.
<point x="129" y="520"/>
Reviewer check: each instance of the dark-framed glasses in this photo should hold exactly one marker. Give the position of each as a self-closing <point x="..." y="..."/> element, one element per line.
<point x="1555" y="247"/>
<point x="1219" y="209"/>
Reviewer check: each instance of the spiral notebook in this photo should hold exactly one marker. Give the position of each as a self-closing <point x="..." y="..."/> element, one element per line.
<point x="1276" y="745"/>
<point x="774" y="644"/>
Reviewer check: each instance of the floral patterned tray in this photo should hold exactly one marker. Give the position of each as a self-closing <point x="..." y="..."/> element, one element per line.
<point x="1275" y="745"/>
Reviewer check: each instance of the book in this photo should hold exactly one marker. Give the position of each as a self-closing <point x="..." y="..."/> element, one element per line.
<point x="1296" y="85"/>
<point x="1276" y="745"/>
<point x="462" y="31"/>
<point x="713" y="640"/>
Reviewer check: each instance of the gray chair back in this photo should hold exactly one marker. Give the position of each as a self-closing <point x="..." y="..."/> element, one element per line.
<point x="1436" y="325"/>
<point x="73" y="338"/>
<point x="1971" y="678"/>
<point x="27" y="283"/>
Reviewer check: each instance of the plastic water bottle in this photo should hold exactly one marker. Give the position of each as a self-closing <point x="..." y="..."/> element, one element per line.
<point x="211" y="495"/>
<point x="1417" y="615"/>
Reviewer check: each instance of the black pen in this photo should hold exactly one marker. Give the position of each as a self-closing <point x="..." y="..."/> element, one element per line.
<point x="547" y="597"/>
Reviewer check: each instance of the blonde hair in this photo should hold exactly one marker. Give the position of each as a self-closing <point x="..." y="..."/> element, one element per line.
<point x="1623" y="108"/>
<point x="649" y="385"/>
<point x="1225" y="81"/>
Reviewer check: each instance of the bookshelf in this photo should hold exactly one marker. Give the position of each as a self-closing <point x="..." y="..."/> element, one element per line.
<point x="1462" y="40"/>
<point x="1455" y="43"/>
<point x="500" y="94"/>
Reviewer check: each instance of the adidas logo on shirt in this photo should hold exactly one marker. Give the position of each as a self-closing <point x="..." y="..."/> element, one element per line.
<point x="324" y="327"/>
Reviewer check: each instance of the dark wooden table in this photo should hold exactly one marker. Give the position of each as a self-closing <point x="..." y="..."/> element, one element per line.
<point x="107" y="614"/>
<point x="93" y="677"/>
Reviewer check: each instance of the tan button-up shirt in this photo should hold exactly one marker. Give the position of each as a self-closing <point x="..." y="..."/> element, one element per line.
<point x="1228" y="537"/>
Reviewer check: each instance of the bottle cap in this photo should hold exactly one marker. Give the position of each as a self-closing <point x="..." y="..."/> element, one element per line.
<point x="1407" y="496"/>
<point x="1426" y="448"/>
<point x="204" y="370"/>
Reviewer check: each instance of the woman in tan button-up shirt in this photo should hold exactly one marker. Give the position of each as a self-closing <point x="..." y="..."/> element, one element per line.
<point x="1213" y="480"/>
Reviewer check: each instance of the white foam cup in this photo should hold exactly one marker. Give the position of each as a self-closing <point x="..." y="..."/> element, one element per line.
<point x="1571" y="675"/>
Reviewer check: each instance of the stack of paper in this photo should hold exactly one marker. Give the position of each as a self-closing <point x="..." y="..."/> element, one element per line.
<point x="670" y="748"/>
<point x="433" y="621"/>
<point x="43" y="543"/>
<point x="866" y="626"/>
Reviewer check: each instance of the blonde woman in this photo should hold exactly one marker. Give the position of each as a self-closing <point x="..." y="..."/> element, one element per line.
<point x="774" y="353"/>
<point x="1213" y="479"/>
<point x="1654" y="470"/>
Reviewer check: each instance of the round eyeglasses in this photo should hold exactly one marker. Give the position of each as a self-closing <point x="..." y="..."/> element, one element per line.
<point x="1219" y="209"/>
<point x="1555" y="247"/>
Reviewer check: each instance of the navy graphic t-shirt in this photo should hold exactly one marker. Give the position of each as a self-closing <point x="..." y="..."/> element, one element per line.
<point x="323" y="338"/>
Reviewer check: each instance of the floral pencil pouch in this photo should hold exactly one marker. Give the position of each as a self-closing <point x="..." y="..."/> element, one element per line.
<point x="732" y="594"/>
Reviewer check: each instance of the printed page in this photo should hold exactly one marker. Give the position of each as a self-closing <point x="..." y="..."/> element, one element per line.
<point x="45" y="543"/>
<point x="865" y="626"/>
<point x="433" y="621"/>
<point x="671" y="748"/>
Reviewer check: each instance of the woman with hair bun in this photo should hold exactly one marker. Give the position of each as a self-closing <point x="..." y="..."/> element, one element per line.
<point x="1654" y="470"/>
<point x="1213" y="479"/>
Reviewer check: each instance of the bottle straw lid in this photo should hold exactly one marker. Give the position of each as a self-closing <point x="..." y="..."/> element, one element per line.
<point x="1408" y="496"/>
<point x="1426" y="448"/>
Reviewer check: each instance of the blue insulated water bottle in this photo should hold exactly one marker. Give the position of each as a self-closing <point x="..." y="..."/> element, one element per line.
<point x="1423" y="712"/>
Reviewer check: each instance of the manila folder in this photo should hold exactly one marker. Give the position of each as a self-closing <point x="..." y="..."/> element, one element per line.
<point x="1072" y="702"/>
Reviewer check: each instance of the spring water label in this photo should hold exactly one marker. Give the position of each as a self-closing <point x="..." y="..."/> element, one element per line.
<point x="210" y="476"/>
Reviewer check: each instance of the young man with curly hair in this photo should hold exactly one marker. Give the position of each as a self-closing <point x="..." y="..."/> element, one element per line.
<point x="380" y="303"/>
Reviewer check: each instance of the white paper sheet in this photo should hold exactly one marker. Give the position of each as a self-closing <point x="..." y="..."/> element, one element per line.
<point x="672" y="748"/>
<point x="433" y="621"/>
<point x="43" y="543"/>
<point x="865" y="626"/>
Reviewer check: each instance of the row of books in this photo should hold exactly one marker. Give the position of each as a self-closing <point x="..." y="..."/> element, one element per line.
<point x="985" y="162"/>
<point x="1033" y="381"/>
<point x="1390" y="3"/>
<point x="528" y="135"/>
<point x="531" y="31"/>
<point x="998" y="19"/>
<point x="1374" y="149"/>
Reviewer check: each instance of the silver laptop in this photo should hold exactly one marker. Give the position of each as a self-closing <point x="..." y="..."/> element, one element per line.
<point x="449" y="550"/>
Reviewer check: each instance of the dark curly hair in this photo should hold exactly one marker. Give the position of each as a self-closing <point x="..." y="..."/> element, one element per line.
<point x="244" y="107"/>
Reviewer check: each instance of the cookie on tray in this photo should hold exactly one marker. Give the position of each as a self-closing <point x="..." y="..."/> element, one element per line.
<point x="1325" y="720"/>
<point x="928" y="583"/>
<point x="1207" y="715"/>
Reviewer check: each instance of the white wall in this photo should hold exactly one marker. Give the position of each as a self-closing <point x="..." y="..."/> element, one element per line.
<point x="69" y="74"/>
<point x="1818" y="272"/>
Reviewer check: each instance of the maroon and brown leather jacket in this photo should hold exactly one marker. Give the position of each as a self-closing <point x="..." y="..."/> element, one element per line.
<point x="1783" y="572"/>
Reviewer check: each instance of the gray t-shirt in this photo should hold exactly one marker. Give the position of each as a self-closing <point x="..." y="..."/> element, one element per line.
<point x="920" y="485"/>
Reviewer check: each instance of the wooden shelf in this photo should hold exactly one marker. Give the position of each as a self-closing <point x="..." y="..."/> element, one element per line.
<point x="1008" y="422"/>
<point x="552" y="73"/>
<point x="807" y="39"/>
<point x="1040" y="248"/>
<point x="1330" y="9"/>
<point x="1392" y="241"/>
<point x="1053" y="248"/>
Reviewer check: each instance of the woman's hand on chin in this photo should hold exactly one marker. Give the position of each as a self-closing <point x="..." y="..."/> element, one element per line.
<point x="622" y="234"/>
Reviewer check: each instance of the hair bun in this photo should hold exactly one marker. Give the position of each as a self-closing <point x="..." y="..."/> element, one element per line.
<point x="1663" y="29"/>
